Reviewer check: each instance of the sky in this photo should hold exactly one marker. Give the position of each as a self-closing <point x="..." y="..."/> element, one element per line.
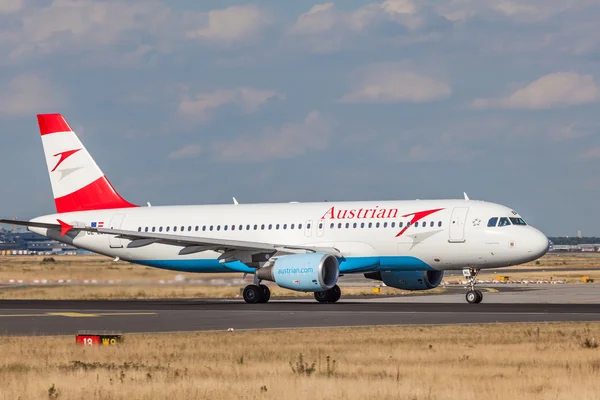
<point x="193" y="102"/>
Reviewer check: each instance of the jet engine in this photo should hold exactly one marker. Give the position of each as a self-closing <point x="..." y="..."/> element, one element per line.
<point x="408" y="280"/>
<point x="314" y="272"/>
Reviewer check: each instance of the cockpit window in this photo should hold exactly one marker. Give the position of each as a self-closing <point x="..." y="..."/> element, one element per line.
<point x="492" y="222"/>
<point x="517" y="221"/>
<point x="504" y="222"/>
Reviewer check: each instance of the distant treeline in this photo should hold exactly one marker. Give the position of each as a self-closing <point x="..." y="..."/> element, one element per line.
<point x="572" y="241"/>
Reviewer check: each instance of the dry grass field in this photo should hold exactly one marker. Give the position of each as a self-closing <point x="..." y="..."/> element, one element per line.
<point x="524" y="361"/>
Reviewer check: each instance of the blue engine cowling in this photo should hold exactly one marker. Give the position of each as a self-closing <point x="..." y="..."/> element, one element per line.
<point x="314" y="272"/>
<point x="409" y="280"/>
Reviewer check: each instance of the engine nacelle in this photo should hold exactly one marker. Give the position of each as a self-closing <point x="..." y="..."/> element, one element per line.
<point x="409" y="280"/>
<point x="312" y="272"/>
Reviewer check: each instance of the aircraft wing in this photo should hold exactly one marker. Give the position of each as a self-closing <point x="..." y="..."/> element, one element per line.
<point x="230" y="249"/>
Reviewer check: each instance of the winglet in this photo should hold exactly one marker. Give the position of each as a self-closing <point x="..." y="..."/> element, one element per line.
<point x="64" y="227"/>
<point x="235" y="201"/>
<point x="466" y="197"/>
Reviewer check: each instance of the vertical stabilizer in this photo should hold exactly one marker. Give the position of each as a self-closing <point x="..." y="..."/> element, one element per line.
<point x="78" y="184"/>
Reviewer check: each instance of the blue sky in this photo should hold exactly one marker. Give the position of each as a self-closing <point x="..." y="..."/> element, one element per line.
<point x="192" y="102"/>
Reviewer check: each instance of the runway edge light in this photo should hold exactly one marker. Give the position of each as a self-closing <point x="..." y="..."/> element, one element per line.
<point x="98" y="338"/>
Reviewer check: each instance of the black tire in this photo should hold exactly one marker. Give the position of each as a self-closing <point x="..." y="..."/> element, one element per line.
<point x="472" y="297"/>
<point x="334" y="294"/>
<point x="322" y="297"/>
<point x="479" y="296"/>
<point x="266" y="293"/>
<point x="252" y="294"/>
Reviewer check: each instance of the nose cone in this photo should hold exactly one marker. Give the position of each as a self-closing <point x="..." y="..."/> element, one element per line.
<point x="538" y="244"/>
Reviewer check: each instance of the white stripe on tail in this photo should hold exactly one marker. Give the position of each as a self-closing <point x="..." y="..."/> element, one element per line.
<point x="78" y="183"/>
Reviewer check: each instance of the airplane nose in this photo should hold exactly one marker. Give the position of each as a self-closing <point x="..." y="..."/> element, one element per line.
<point x="538" y="243"/>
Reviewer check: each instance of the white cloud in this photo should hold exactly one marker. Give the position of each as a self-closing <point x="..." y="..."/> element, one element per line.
<point x="236" y="23"/>
<point x="558" y="89"/>
<point x="188" y="151"/>
<point x="201" y="106"/>
<point x="289" y="141"/>
<point x="28" y="94"/>
<point x="71" y="24"/>
<point x="391" y="83"/>
<point x="326" y="29"/>
<point x="10" y="6"/>
<point x="522" y="10"/>
<point x="592" y="153"/>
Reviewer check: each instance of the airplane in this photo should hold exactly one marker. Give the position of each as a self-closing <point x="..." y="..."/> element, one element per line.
<point x="300" y="246"/>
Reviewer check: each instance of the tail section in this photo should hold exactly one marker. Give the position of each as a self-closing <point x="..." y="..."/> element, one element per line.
<point x="78" y="183"/>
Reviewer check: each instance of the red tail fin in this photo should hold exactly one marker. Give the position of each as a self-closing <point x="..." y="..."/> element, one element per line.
<point x="78" y="183"/>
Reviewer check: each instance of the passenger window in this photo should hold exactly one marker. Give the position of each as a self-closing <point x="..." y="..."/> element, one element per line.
<point x="255" y="227"/>
<point x="492" y="222"/>
<point x="385" y="224"/>
<point x="139" y="229"/>
<point x="146" y="229"/>
<point x="203" y="228"/>
<point x="182" y="228"/>
<point x="247" y="227"/>
<point x="174" y="229"/>
<point x="400" y="224"/>
<point x="284" y="226"/>
<point x="277" y="226"/>
<point x="347" y="225"/>
<point x="224" y="227"/>
<point x="153" y="229"/>
<point x="270" y="226"/>
<point x="340" y="225"/>
<point x="197" y="228"/>
<point x="160" y="229"/>
<point x="503" y="222"/>
<point x="300" y="226"/>
<point x="362" y="225"/>
<point x="440" y="224"/>
<point x="370" y="224"/>
<point x="168" y="228"/>
<point x="431" y="224"/>
<point x="218" y="227"/>
<point x="416" y="224"/>
<point x="211" y="228"/>
<point x="331" y="225"/>
<point x="292" y="226"/>
<point x="355" y="225"/>
<point x="393" y="224"/>
<point x="307" y="226"/>
<point x="189" y="228"/>
<point x="377" y="225"/>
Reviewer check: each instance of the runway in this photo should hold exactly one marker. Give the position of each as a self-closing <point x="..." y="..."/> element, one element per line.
<point x="39" y="317"/>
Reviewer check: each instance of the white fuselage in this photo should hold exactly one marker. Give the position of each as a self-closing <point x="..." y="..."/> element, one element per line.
<point x="372" y="236"/>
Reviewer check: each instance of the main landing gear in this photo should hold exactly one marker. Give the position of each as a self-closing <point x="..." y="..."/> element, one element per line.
<point x="256" y="294"/>
<point x="329" y="296"/>
<point x="473" y="296"/>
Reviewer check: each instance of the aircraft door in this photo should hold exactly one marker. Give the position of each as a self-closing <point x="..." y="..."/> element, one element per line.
<point x="457" y="224"/>
<point x="308" y="228"/>
<point x="115" y="223"/>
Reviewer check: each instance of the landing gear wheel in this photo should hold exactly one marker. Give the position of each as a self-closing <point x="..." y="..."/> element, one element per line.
<point x="335" y="293"/>
<point x="322" y="297"/>
<point x="266" y="294"/>
<point x="329" y="296"/>
<point x="252" y="294"/>
<point x="474" y="296"/>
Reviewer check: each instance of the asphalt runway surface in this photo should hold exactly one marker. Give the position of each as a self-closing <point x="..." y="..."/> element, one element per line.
<point x="57" y="317"/>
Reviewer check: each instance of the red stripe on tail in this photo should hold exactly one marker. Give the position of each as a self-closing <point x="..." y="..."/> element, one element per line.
<point x="98" y="195"/>
<point x="51" y="123"/>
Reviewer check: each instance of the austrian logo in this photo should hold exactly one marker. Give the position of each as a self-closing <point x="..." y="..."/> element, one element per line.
<point x="377" y="213"/>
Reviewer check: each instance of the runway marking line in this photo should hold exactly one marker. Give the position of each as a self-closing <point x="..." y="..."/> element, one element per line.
<point x="78" y="315"/>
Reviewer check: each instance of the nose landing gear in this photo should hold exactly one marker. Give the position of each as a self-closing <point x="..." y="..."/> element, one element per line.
<point x="473" y="296"/>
